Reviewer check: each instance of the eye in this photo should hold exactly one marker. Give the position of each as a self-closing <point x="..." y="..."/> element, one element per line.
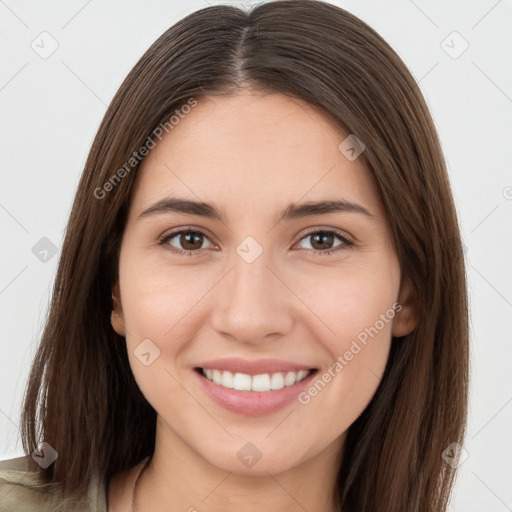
<point x="322" y="241"/>
<point x="189" y="240"/>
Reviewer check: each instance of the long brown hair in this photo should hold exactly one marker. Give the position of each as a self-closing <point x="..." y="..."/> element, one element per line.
<point x="81" y="396"/>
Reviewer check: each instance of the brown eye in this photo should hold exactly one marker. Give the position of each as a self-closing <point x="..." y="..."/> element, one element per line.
<point x="323" y="242"/>
<point x="191" y="241"/>
<point x="184" y="241"/>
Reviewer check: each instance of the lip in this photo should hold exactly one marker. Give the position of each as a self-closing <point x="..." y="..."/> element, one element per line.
<point x="253" y="403"/>
<point x="239" y="365"/>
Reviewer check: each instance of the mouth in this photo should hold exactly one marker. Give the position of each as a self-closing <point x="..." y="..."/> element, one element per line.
<point x="260" y="383"/>
<point x="253" y="388"/>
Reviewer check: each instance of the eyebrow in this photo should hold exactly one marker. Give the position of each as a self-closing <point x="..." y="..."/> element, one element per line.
<point x="292" y="211"/>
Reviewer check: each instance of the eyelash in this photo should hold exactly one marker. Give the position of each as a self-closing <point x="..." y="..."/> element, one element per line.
<point x="163" y="241"/>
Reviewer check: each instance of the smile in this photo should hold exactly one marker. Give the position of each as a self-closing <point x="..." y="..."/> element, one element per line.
<point x="260" y="383"/>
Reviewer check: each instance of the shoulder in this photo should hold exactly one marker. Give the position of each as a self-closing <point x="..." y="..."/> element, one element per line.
<point x="19" y="486"/>
<point x="22" y="491"/>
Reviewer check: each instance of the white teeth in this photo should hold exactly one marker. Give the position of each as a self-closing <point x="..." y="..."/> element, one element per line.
<point x="259" y="383"/>
<point x="289" y="380"/>
<point x="217" y="376"/>
<point x="302" y="374"/>
<point x="242" y="382"/>
<point x="277" y="381"/>
<point x="227" y="379"/>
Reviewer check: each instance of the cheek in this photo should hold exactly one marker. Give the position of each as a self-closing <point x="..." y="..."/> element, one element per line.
<point x="358" y="308"/>
<point x="364" y="312"/>
<point x="362" y="320"/>
<point x="162" y="305"/>
<point x="157" y="298"/>
<point x="158" y="316"/>
<point x="350" y="302"/>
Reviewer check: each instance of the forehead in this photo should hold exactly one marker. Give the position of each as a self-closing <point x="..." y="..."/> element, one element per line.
<point x="252" y="148"/>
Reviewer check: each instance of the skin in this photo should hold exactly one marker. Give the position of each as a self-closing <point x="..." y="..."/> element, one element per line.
<point x="251" y="154"/>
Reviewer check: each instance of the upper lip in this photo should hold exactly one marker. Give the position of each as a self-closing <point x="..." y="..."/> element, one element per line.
<point x="256" y="367"/>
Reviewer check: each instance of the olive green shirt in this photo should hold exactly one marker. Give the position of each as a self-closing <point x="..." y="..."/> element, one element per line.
<point x="21" y="492"/>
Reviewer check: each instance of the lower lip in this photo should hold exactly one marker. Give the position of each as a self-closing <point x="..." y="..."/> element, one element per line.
<point x="253" y="403"/>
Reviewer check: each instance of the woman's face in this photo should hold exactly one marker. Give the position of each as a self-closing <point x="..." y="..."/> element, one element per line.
<point x="245" y="292"/>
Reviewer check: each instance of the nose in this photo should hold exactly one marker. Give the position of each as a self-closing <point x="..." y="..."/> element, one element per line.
<point x="252" y="304"/>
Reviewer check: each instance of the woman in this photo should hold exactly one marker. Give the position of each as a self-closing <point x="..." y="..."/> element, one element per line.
<point x="261" y="298"/>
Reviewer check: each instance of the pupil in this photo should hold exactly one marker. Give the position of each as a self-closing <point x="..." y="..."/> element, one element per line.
<point x="322" y="236"/>
<point x="187" y="244"/>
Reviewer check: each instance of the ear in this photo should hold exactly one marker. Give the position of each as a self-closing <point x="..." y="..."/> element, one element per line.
<point x="407" y="316"/>
<point x="116" y="317"/>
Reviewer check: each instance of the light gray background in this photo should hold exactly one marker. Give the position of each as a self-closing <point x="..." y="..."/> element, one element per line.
<point x="51" y="109"/>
